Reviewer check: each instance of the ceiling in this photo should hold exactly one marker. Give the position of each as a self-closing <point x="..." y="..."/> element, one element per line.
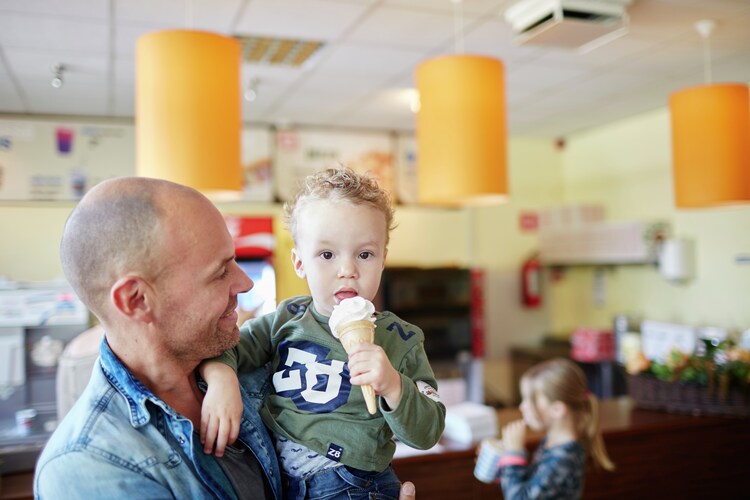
<point x="363" y="76"/>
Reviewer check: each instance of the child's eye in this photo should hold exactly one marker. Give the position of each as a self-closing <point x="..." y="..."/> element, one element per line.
<point x="365" y="255"/>
<point x="327" y="255"/>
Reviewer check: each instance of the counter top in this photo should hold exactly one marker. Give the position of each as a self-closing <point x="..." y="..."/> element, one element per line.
<point x="657" y="454"/>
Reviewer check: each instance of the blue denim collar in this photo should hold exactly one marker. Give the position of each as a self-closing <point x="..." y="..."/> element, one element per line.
<point x="134" y="392"/>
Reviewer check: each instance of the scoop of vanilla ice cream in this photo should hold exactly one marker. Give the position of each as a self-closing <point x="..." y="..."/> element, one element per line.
<point x="348" y="310"/>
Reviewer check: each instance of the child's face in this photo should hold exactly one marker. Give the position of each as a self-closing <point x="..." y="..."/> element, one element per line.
<point x="340" y="251"/>
<point x="534" y="408"/>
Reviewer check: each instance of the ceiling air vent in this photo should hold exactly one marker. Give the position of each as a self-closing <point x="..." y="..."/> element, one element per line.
<point x="575" y="24"/>
<point x="278" y="51"/>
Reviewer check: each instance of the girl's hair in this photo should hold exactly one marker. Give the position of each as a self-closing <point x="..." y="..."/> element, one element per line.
<point x="562" y="380"/>
<point x="339" y="184"/>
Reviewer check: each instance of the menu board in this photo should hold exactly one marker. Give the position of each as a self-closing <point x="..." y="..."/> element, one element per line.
<point x="302" y="152"/>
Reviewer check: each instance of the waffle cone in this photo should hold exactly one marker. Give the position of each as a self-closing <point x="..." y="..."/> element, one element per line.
<point x="356" y="332"/>
<point x="351" y="334"/>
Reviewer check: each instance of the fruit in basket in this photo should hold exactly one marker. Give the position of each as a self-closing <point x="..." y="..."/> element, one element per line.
<point x="636" y="363"/>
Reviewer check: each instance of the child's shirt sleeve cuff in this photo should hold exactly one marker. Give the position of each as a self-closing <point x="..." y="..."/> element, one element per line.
<point x="513" y="458"/>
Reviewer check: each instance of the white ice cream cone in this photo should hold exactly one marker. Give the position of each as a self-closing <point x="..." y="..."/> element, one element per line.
<point x="351" y="334"/>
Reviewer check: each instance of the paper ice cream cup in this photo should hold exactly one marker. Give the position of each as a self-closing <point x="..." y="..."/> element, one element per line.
<point x="487" y="467"/>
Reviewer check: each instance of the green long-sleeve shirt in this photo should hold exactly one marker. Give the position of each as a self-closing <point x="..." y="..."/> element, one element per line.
<point x="313" y="402"/>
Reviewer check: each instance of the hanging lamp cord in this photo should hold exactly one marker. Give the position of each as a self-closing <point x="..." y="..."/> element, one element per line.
<point x="458" y="25"/>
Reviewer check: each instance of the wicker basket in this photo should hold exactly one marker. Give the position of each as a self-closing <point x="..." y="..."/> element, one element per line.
<point x="651" y="393"/>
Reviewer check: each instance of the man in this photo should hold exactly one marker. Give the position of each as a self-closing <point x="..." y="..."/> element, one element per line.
<point x="154" y="262"/>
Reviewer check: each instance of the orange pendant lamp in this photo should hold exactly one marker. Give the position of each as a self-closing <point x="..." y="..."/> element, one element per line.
<point x="711" y="145"/>
<point x="188" y="110"/>
<point x="710" y="140"/>
<point x="461" y="131"/>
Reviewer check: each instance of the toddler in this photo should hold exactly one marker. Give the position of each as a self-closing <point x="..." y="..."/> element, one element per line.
<point x="555" y="400"/>
<point x="326" y="440"/>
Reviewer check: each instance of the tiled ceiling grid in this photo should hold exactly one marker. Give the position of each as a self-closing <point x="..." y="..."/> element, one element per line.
<point x="362" y="74"/>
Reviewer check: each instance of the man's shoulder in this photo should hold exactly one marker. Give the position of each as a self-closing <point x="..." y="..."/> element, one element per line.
<point x="99" y="417"/>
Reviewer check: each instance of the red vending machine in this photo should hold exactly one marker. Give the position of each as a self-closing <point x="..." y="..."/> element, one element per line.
<point x="254" y="244"/>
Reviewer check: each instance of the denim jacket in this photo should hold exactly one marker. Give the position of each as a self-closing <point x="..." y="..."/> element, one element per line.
<point x="120" y="441"/>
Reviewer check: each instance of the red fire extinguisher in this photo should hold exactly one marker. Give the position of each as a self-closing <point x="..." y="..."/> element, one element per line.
<point x="531" y="282"/>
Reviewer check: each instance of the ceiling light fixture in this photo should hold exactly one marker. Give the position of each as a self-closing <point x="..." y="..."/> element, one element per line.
<point x="461" y="128"/>
<point x="251" y="92"/>
<point x="710" y="139"/>
<point x="57" y="72"/>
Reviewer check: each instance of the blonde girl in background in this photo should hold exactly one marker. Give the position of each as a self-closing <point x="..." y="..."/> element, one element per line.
<point x="556" y="401"/>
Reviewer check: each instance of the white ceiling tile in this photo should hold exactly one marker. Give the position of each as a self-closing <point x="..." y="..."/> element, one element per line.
<point x="469" y="7"/>
<point x="400" y="27"/>
<point x="393" y="103"/>
<point x="177" y="14"/>
<point x="92" y="9"/>
<point x="493" y="37"/>
<point x="124" y="99"/>
<point x="369" y="61"/>
<point x="10" y="101"/>
<point x="127" y="33"/>
<point x="46" y="33"/>
<point x="69" y="99"/>
<point x="305" y="19"/>
<point x="38" y="64"/>
<point x="537" y="75"/>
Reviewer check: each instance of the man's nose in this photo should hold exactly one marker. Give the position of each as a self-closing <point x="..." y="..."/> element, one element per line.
<point x="244" y="283"/>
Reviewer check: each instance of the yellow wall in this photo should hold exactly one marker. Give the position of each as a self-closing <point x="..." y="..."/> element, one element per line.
<point x="30" y="235"/>
<point x="626" y="166"/>
<point x="499" y="246"/>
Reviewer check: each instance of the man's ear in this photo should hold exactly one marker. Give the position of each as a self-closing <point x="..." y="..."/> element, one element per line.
<point x="131" y="297"/>
<point x="299" y="268"/>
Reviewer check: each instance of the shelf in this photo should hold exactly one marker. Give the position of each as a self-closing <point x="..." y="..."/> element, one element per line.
<point x="614" y="263"/>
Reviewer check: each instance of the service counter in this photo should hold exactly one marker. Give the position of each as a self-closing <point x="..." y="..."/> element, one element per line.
<point x="658" y="455"/>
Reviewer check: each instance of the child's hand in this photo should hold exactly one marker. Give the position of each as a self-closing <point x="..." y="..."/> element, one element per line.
<point x="368" y="364"/>
<point x="514" y="436"/>
<point x="222" y="407"/>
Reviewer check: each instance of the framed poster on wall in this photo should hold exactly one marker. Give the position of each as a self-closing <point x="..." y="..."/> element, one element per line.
<point x="256" y="157"/>
<point x="299" y="153"/>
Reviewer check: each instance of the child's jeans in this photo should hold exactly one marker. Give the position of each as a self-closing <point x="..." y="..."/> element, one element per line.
<point x="345" y="483"/>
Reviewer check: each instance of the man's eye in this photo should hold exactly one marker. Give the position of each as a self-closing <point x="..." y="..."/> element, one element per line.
<point x="327" y="255"/>
<point x="224" y="274"/>
<point x="365" y="255"/>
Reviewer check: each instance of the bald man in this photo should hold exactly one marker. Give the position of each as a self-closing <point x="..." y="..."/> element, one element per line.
<point x="153" y="260"/>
